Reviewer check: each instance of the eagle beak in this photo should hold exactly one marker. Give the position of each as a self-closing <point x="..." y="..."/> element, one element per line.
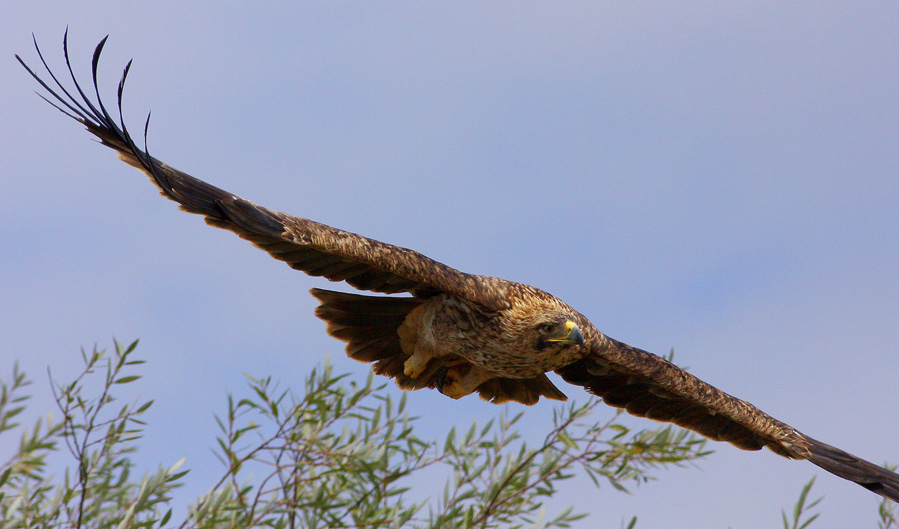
<point x="573" y="335"/>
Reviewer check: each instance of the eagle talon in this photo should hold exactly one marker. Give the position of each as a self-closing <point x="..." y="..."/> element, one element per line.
<point x="456" y="382"/>
<point x="440" y="379"/>
<point x="451" y="384"/>
<point x="448" y="382"/>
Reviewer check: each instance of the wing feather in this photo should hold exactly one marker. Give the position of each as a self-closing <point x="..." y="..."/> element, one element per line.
<point x="303" y="244"/>
<point x="646" y="385"/>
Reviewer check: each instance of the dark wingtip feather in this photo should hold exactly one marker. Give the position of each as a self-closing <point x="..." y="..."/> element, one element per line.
<point x="847" y="466"/>
<point x="194" y="195"/>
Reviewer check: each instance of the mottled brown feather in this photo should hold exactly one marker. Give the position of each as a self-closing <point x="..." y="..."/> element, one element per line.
<point x="369" y="326"/>
<point x="713" y="414"/>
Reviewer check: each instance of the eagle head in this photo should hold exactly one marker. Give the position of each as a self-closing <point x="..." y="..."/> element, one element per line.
<point x="543" y="330"/>
<point x="561" y="332"/>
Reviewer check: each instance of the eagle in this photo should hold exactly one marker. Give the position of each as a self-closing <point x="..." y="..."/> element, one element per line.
<point x="452" y="331"/>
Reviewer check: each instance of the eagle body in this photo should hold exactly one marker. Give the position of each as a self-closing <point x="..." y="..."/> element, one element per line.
<point x="456" y="332"/>
<point x="514" y="342"/>
<point x="446" y="342"/>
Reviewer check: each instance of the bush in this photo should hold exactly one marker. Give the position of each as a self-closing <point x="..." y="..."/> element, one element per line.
<point x="341" y="455"/>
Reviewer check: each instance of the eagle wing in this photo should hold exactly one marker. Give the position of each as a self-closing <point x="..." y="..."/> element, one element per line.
<point x="647" y="385"/>
<point x="305" y="245"/>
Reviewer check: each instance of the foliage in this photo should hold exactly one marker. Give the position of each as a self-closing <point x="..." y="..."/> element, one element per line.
<point x="341" y="455"/>
<point x="801" y="509"/>
<point x="887" y="510"/>
<point x="98" y="491"/>
<point x="801" y="517"/>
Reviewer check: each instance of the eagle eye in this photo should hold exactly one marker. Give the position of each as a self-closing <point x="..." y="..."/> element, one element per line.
<point x="547" y="328"/>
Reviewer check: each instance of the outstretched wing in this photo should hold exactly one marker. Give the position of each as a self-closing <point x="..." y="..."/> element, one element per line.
<point x="647" y="385"/>
<point x="305" y="245"/>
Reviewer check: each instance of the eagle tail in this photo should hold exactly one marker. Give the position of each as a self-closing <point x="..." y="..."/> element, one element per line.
<point x="367" y="323"/>
<point x="369" y="326"/>
<point x="847" y="466"/>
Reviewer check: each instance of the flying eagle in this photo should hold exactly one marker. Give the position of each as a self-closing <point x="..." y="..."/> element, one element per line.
<point x="460" y="333"/>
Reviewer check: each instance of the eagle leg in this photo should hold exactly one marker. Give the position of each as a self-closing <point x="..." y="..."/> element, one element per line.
<point x="455" y="382"/>
<point x="416" y="364"/>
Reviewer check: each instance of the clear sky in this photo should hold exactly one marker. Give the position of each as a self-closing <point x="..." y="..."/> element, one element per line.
<point x="717" y="178"/>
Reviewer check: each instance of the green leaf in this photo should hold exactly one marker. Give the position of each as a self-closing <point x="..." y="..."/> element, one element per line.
<point x="566" y="440"/>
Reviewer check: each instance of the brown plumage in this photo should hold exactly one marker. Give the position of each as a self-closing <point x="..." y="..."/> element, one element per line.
<point x="458" y="332"/>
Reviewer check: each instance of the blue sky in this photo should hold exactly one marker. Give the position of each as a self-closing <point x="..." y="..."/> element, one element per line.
<point x="717" y="178"/>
